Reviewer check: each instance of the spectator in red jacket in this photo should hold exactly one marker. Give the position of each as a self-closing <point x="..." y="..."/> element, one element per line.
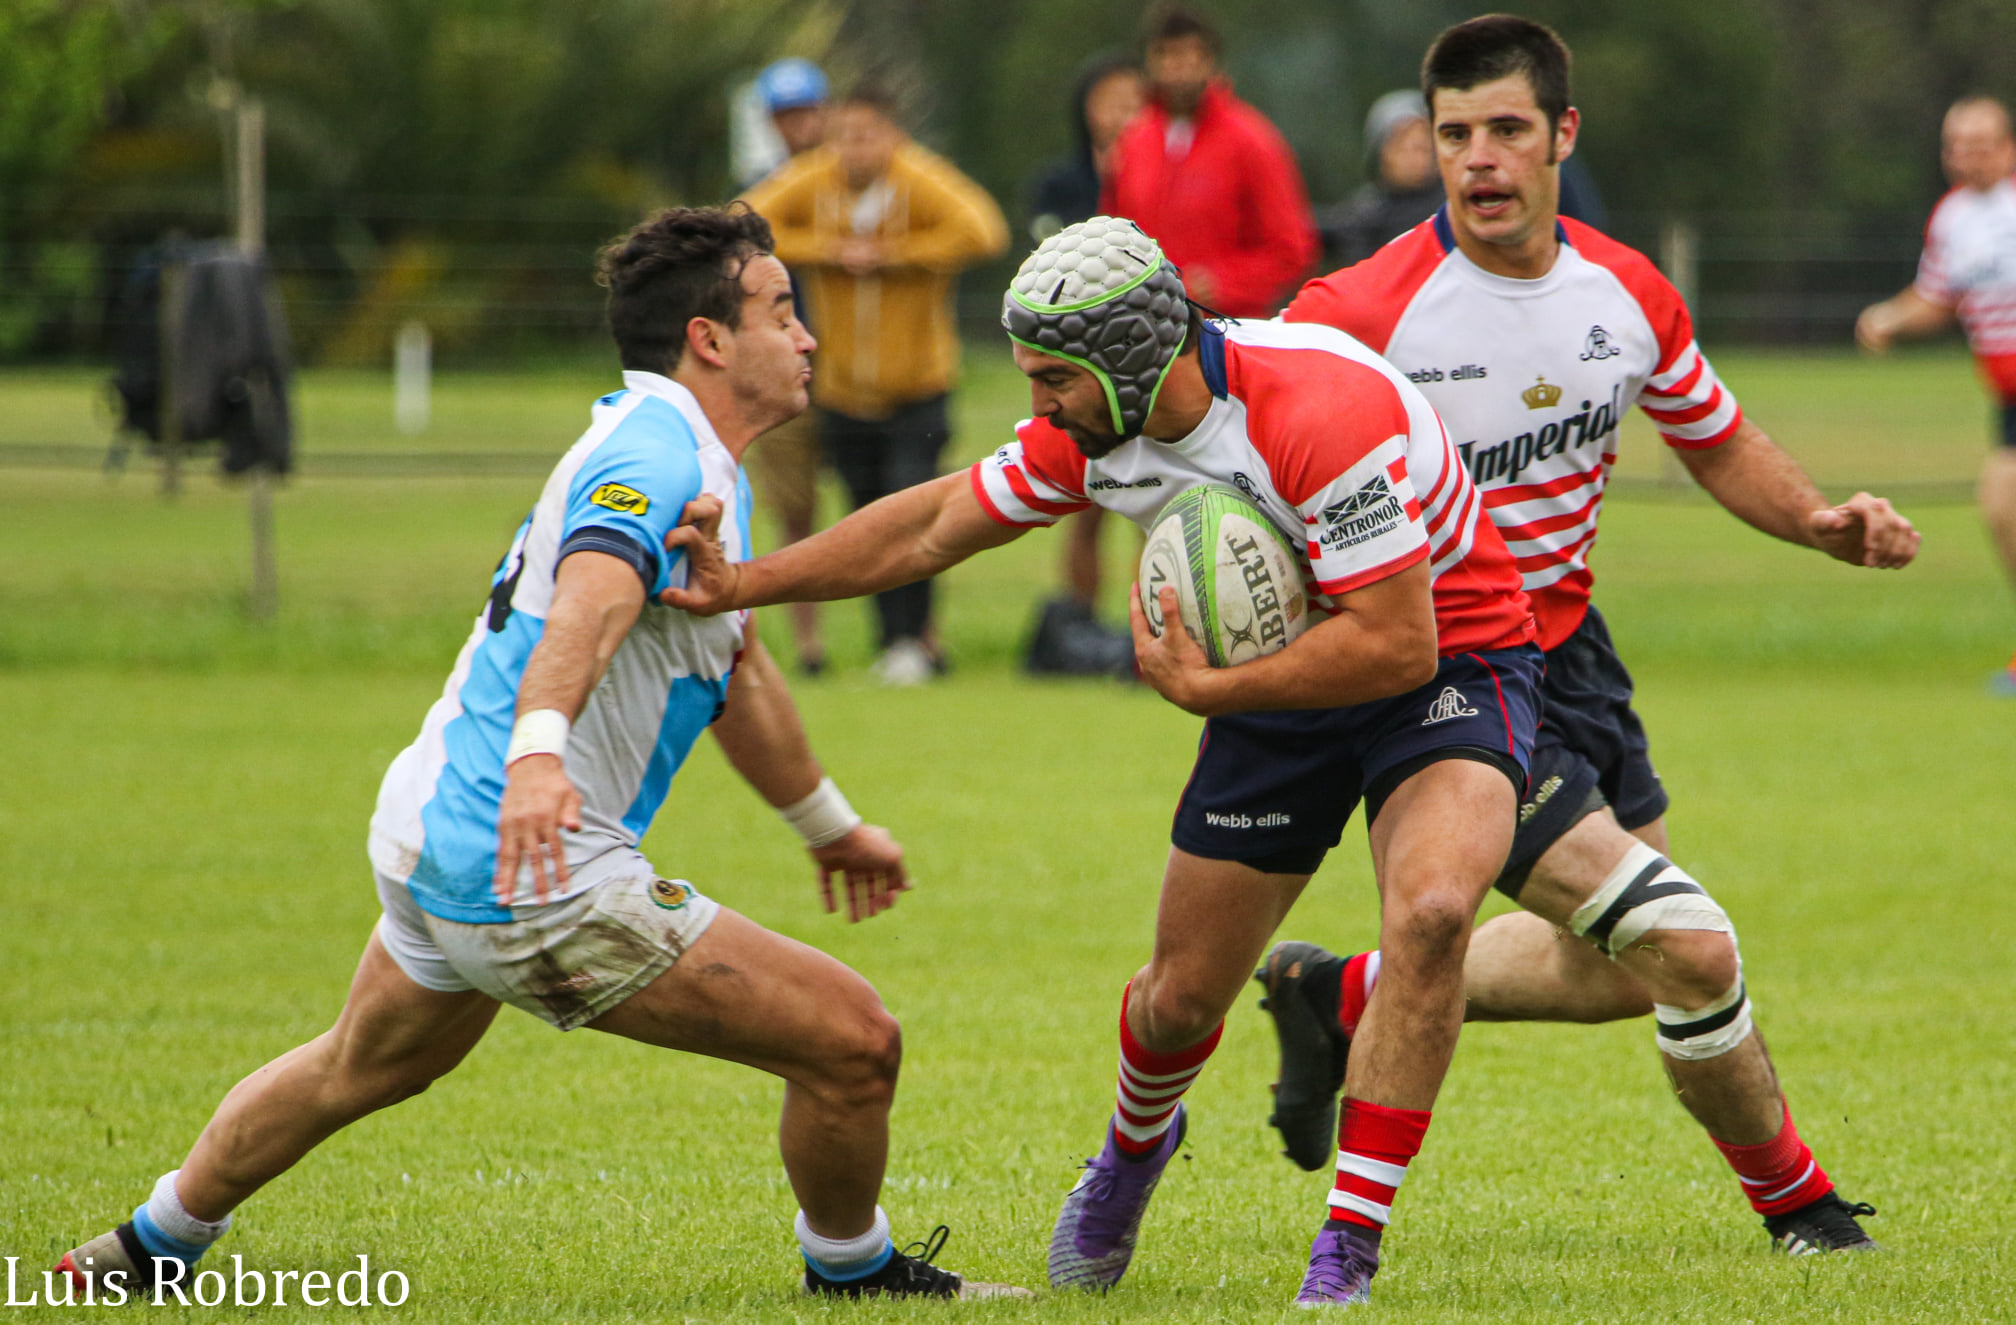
<point x="1209" y="177"/>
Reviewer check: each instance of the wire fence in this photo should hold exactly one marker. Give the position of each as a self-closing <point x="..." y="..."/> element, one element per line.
<point x="503" y="280"/>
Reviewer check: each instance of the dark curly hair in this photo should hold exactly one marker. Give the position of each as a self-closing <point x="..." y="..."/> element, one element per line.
<point x="683" y="263"/>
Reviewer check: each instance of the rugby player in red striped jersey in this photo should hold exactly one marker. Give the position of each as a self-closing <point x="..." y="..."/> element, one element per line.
<point x="1412" y="692"/>
<point x="1531" y="335"/>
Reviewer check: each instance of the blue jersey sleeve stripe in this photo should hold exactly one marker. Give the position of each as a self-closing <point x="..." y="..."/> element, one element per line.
<point x="617" y="543"/>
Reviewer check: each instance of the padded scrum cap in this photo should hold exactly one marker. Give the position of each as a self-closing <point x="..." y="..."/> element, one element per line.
<point x="1101" y="294"/>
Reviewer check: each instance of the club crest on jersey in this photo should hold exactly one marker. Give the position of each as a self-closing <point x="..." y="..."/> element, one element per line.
<point x="1449" y="704"/>
<point x="619" y="498"/>
<point x="1364" y="515"/>
<point x="1543" y="394"/>
<point x="1599" y="345"/>
<point x="672" y="894"/>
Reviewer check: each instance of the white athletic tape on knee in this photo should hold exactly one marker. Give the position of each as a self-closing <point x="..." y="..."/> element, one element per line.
<point x="1690" y="1034"/>
<point x="1645" y="892"/>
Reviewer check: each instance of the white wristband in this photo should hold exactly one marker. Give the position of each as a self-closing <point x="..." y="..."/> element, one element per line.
<point x="822" y="818"/>
<point x="540" y="732"/>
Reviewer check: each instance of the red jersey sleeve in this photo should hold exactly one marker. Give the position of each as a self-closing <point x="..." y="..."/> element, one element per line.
<point x="1036" y="479"/>
<point x="1684" y="399"/>
<point x="1367" y="299"/>
<point x="1334" y="434"/>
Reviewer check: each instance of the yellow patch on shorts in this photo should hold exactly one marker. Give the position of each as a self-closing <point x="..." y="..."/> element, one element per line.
<point x="619" y="498"/>
<point x="670" y="893"/>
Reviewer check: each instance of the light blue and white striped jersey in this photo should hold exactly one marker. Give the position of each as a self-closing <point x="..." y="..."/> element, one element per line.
<point x="619" y="490"/>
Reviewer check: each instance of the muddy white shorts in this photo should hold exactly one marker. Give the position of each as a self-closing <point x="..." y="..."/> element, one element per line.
<point x="567" y="962"/>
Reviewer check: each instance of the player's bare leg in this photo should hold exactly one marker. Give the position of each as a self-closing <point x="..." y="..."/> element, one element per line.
<point x="1734" y="1094"/>
<point x="1213" y="922"/>
<point x="1436" y="846"/>
<point x="1081" y="555"/>
<point x="1997" y="493"/>
<point x="747" y="995"/>
<point x="391" y="1041"/>
<point x="797" y="525"/>
<point x="1578" y="954"/>
<point x="1438" y="842"/>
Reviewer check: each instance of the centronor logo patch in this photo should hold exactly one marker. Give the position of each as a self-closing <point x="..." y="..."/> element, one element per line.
<point x="672" y="894"/>
<point x="619" y="498"/>
<point x="1363" y="516"/>
<point x="1449" y="704"/>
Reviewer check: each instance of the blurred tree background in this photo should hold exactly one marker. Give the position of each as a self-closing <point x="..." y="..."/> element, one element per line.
<point x="459" y="160"/>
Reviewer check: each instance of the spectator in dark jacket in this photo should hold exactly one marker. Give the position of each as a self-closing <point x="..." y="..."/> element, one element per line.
<point x="1211" y="179"/>
<point x="1109" y="92"/>
<point x="1067" y="638"/>
<point x="1404" y="190"/>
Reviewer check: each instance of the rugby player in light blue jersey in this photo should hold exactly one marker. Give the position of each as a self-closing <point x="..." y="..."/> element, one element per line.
<point x="505" y="841"/>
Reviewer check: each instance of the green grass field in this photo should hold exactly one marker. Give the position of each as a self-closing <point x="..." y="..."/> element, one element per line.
<point x="183" y="839"/>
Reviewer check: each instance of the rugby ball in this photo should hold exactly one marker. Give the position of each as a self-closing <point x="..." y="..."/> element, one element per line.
<point x="1236" y="576"/>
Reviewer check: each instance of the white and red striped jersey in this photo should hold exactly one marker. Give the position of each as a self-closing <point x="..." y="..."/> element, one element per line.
<point x="1969" y="264"/>
<point x="1342" y="453"/>
<point x="1532" y="378"/>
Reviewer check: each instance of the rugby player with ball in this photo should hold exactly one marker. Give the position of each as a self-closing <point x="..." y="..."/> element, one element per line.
<point x="1310" y="520"/>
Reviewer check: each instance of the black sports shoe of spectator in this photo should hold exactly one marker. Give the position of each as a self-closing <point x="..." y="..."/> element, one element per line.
<point x="910" y="1273"/>
<point x="1827" y="1224"/>
<point x="1301" y="981"/>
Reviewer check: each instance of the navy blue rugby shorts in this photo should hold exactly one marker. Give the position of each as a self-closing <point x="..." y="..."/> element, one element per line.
<point x="1274" y="790"/>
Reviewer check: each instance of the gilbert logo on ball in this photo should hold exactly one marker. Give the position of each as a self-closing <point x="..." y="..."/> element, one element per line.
<point x="1237" y="578"/>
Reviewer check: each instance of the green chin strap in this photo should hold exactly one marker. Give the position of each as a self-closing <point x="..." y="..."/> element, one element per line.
<point x="1106" y="382"/>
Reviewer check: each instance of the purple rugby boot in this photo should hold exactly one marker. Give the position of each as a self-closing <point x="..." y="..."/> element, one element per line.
<point x="1342" y="1262"/>
<point x="1094" y="1238"/>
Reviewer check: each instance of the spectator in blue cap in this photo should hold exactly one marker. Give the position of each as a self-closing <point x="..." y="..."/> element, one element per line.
<point x="794" y="92"/>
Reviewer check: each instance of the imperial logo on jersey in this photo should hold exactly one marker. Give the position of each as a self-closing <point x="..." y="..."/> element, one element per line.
<point x="619" y="498"/>
<point x="1338" y="449"/>
<point x="1507" y="460"/>
<point x="1600" y="332"/>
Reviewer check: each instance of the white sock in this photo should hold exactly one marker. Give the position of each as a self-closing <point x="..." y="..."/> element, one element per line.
<point x="164" y="1211"/>
<point x="865" y="1253"/>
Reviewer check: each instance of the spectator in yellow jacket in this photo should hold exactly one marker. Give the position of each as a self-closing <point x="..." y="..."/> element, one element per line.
<point x="876" y="228"/>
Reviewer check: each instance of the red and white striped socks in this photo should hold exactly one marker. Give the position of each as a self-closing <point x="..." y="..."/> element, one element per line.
<point x="1374" y="1145"/>
<point x="1152" y="1085"/>
<point x="1780" y="1175"/>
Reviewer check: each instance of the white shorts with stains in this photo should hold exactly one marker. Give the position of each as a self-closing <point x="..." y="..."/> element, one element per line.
<point x="567" y="962"/>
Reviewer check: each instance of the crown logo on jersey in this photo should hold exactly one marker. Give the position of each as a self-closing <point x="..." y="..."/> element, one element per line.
<point x="1541" y="395"/>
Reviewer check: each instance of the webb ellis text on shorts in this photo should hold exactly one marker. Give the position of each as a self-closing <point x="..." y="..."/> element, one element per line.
<point x="175" y="1283"/>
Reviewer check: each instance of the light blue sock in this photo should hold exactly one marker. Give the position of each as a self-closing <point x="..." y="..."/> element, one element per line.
<point x="166" y="1229"/>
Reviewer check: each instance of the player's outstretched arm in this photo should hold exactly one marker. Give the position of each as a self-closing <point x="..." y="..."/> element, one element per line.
<point x="1766" y="488"/>
<point x="1906" y="314"/>
<point x="907" y="536"/>
<point x="1383" y="643"/>
<point x="596" y="599"/>
<point x="760" y="733"/>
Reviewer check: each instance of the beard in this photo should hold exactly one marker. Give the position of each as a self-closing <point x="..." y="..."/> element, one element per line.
<point x="1092" y="444"/>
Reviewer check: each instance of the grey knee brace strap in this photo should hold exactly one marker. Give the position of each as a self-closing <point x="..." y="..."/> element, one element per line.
<point x="1645" y="892"/>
